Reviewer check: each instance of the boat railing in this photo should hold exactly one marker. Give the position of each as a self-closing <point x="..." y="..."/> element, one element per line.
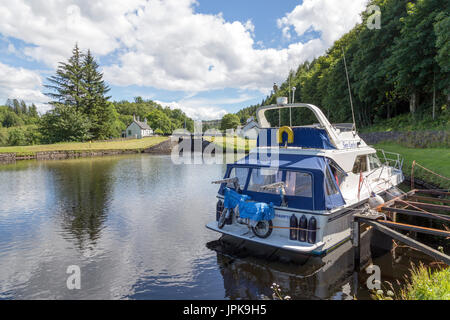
<point x="392" y="159"/>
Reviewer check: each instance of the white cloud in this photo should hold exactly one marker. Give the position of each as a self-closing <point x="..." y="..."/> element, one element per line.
<point x="53" y="27"/>
<point x="205" y="108"/>
<point x="333" y="19"/>
<point x="19" y="83"/>
<point x="165" y="44"/>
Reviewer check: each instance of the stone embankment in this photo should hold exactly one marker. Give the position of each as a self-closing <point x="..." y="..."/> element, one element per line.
<point x="162" y="148"/>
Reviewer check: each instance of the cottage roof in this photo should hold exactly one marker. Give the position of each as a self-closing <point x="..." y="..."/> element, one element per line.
<point x="142" y="125"/>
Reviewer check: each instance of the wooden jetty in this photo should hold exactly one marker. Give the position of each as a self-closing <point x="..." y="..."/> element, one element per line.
<point x="430" y="204"/>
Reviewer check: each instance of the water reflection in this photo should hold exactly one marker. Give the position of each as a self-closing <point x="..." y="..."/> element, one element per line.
<point x="247" y="275"/>
<point x="84" y="190"/>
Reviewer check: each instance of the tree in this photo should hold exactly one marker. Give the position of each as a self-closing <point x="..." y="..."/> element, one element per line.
<point x="63" y="124"/>
<point x="11" y="119"/>
<point x="157" y="119"/>
<point x="412" y="65"/>
<point x="95" y="103"/>
<point x="67" y="85"/>
<point x="78" y="84"/>
<point x="104" y="119"/>
<point x="230" y="121"/>
<point x="442" y="30"/>
<point x="94" y="88"/>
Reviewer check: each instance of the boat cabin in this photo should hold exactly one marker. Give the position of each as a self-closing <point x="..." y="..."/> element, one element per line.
<point x="310" y="182"/>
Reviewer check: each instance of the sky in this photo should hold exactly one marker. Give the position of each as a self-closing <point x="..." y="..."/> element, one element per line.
<point x="206" y="57"/>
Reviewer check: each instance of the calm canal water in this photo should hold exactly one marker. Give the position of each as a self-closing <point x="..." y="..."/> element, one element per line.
<point x="135" y="225"/>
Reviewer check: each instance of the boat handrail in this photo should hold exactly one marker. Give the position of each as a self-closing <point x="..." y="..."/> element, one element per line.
<point x="397" y="159"/>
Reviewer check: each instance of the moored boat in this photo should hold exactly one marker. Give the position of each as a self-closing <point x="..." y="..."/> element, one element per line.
<point x="298" y="189"/>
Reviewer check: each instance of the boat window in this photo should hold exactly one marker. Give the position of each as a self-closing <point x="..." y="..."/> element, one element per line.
<point x="264" y="176"/>
<point x="241" y="174"/>
<point x="298" y="184"/>
<point x="375" y="163"/>
<point x="330" y="185"/>
<point x="360" y="164"/>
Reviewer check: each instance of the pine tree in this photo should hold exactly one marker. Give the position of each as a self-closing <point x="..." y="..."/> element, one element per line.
<point x="67" y="84"/>
<point x="95" y="103"/>
<point x="94" y="87"/>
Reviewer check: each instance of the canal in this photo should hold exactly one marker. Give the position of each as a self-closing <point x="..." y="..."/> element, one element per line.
<point x="135" y="226"/>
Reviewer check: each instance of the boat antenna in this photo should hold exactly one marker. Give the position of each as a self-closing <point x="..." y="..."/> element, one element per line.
<point x="349" y="91"/>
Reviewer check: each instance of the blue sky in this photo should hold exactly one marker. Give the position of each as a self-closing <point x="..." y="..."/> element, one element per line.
<point x="207" y="57"/>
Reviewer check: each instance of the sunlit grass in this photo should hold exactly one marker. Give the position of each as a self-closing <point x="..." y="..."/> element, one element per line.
<point x="134" y="144"/>
<point x="424" y="284"/>
<point x="233" y="143"/>
<point x="435" y="159"/>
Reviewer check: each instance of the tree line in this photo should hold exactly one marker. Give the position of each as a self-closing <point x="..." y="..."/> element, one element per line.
<point x="81" y="109"/>
<point x="401" y="68"/>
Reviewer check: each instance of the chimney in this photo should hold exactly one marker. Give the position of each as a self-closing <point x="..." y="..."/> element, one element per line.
<point x="134" y="117"/>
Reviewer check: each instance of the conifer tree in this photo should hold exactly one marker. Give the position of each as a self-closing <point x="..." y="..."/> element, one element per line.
<point x="67" y="84"/>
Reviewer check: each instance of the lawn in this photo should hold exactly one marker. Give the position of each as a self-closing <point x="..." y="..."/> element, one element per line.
<point x="435" y="159"/>
<point x="134" y="144"/>
<point x="233" y="143"/>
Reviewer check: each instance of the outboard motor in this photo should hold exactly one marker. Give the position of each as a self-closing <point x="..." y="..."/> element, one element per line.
<point x="294" y="226"/>
<point x="219" y="209"/>
<point x="303" y="224"/>
<point x="312" y="227"/>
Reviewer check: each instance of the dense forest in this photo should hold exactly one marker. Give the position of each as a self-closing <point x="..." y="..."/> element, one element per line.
<point x="401" y="68"/>
<point x="81" y="110"/>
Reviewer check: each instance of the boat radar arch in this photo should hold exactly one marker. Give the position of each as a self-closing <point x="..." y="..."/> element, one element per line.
<point x="340" y="139"/>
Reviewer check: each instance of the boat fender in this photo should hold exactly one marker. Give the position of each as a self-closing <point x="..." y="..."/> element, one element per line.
<point x="303" y="224"/>
<point x="294" y="225"/>
<point x="375" y="200"/>
<point x="312" y="229"/>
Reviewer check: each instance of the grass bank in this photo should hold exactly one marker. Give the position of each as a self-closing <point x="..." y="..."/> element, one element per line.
<point x="435" y="159"/>
<point x="125" y="145"/>
<point x="233" y="143"/>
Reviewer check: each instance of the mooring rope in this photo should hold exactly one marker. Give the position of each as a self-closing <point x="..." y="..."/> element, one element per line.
<point x="437" y="174"/>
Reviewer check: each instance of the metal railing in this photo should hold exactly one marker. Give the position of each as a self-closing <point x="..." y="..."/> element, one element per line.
<point x="392" y="159"/>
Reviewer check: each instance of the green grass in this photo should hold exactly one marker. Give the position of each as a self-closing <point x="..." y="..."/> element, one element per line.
<point x="135" y="144"/>
<point x="435" y="159"/>
<point x="233" y="143"/>
<point x="426" y="285"/>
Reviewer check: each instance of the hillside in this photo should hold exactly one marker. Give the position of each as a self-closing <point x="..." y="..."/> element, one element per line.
<point x="398" y="72"/>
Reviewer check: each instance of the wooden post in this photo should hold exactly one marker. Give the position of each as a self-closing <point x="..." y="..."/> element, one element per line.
<point x="356" y="237"/>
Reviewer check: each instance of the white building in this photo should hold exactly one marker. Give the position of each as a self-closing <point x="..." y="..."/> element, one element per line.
<point x="138" y="129"/>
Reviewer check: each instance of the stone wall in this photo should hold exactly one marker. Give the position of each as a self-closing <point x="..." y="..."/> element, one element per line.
<point x="413" y="139"/>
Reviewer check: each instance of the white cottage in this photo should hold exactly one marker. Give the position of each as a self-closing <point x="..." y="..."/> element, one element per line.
<point x="138" y="129"/>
